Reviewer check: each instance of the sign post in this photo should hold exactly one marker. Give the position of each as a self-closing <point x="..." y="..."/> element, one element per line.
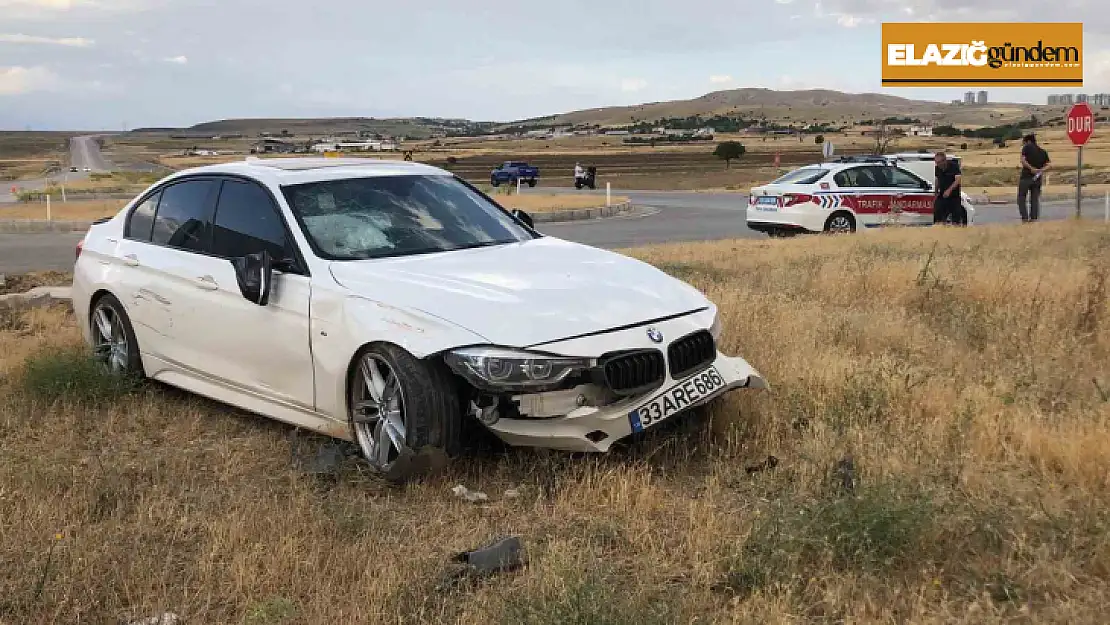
<point x="827" y="149"/>
<point x="1081" y="125"/>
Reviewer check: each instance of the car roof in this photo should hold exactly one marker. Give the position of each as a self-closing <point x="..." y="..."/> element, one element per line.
<point x="298" y="170"/>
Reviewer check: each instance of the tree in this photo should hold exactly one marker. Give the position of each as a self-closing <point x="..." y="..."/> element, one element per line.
<point x="729" y="150"/>
<point x="884" y="139"/>
<point x="819" y="139"/>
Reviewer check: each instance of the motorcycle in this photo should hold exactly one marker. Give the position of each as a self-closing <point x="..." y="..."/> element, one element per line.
<point x="588" y="179"/>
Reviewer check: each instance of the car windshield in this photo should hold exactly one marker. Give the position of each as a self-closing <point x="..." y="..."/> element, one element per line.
<point x="377" y="217"/>
<point x="805" y="175"/>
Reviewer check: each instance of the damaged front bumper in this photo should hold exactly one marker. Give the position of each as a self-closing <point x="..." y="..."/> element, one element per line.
<point x="572" y="426"/>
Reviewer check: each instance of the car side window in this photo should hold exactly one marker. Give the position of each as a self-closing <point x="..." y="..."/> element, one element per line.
<point x="247" y="222"/>
<point x="184" y="215"/>
<point x="903" y="179"/>
<point x="141" y="222"/>
<point x="850" y="178"/>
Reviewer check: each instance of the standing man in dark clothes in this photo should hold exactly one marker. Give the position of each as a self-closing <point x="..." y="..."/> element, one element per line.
<point x="1034" y="162"/>
<point x="949" y="200"/>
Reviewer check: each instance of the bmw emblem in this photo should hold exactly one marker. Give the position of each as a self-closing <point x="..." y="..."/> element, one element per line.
<point x="655" y="335"/>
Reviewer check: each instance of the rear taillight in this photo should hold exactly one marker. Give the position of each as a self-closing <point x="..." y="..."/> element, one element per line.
<point x="793" y="199"/>
<point x="80" y="244"/>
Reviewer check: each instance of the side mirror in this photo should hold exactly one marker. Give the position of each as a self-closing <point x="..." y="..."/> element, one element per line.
<point x="254" y="272"/>
<point x="525" y="217"/>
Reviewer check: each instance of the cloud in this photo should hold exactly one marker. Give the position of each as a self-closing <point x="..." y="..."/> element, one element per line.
<point x="19" y="80"/>
<point x="177" y="60"/>
<point x="50" y="9"/>
<point x="851" y="21"/>
<point x="75" y="42"/>
<point x="631" y="85"/>
<point x="720" y="79"/>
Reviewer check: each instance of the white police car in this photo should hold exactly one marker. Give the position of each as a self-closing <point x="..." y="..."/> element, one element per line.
<point x="847" y="195"/>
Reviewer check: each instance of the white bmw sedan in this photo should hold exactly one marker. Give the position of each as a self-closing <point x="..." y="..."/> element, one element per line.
<point x="387" y="302"/>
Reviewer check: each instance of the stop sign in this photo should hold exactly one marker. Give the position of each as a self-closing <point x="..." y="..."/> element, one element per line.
<point x="1081" y="123"/>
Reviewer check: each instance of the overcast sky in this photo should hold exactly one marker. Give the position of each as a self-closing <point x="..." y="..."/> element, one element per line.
<point x="103" y="64"/>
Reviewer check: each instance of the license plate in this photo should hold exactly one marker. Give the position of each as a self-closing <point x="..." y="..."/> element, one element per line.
<point x="676" y="399"/>
<point x="767" y="203"/>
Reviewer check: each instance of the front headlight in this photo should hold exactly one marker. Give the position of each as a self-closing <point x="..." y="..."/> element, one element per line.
<point x="505" y="370"/>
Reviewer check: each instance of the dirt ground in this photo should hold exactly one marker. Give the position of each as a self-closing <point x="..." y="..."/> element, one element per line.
<point x="938" y="417"/>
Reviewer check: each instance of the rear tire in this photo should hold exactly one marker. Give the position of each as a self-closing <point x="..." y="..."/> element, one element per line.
<point x="840" y="222"/>
<point x="405" y="414"/>
<point x="495" y="182"/>
<point x="532" y="183"/>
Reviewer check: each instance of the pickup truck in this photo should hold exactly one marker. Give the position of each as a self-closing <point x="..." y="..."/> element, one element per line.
<point x="511" y="171"/>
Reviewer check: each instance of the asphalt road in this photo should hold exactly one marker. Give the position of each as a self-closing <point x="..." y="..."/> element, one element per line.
<point x="667" y="217"/>
<point x="83" y="152"/>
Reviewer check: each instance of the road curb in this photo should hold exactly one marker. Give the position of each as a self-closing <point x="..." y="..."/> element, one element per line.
<point x="580" y="214"/>
<point x="12" y="226"/>
<point x="36" y="297"/>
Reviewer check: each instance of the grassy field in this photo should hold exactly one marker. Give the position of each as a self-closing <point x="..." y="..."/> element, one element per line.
<point x="679" y="166"/>
<point x="546" y="203"/>
<point x="77" y="210"/>
<point x="939" y="412"/>
<point x="28" y="154"/>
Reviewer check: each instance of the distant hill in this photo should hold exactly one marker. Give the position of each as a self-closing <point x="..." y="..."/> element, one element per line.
<point x="804" y="107"/>
<point x="414" y="127"/>
<point x="809" y="106"/>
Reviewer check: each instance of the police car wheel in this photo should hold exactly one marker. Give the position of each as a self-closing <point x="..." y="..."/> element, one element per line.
<point x="840" y="223"/>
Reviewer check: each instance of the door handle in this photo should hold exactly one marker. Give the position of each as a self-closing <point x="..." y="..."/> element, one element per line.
<point x="131" y="260"/>
<point x="208" y="283"/>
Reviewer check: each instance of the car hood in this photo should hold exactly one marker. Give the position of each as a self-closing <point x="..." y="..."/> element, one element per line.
<point x="524" y="294"/>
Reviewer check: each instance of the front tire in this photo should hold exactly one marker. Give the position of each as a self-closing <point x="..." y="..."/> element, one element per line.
<point x="840" y="222"/>
<point x="113" y="338"/>
<point x="405" y="414"/>
<point x="532" y="183"/>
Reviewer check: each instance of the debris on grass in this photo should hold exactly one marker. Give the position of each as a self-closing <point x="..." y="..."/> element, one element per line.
<point x="166" y="618"/>
<point x="473" y="496"/>
<point x="500" y="556"/>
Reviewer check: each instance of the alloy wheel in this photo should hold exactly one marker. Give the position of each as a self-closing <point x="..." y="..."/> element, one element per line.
<point x="378" y="411"/>
<point x="840" y="224"/>
<point x="109" y="339"/>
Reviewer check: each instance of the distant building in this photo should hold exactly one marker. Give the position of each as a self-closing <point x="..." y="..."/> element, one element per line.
<point x="969" y="97"/>
<point x="982" y="98"/>
<point x="268" y="145"/>
<point x="921" y="131"/>
<point x="374" y="145"/>
<point x="957" y="102"/>
<point x="1061" y="99"/>
<point x="1100" y="99"/>
<point x="1081" y="97"/>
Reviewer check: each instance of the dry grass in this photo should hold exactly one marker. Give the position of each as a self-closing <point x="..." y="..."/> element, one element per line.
<point x="1062" y="190"/>
<point x="967" y="372"/>
<point x="76" y="210"/>
<point x="546" y="203"/>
